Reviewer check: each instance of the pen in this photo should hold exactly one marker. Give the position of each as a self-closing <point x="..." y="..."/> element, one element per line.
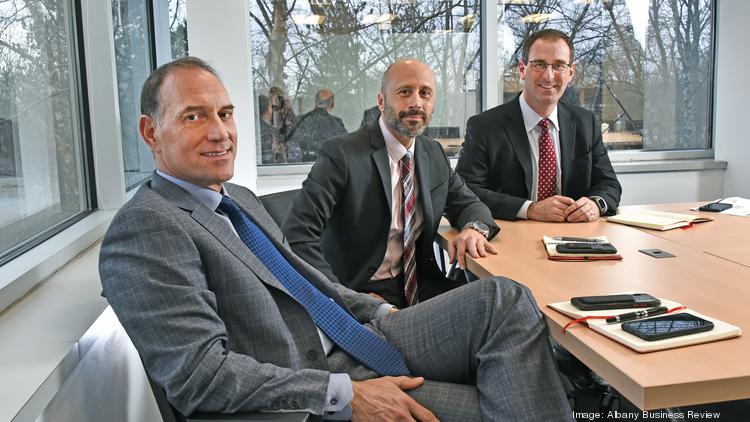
<point x="630" y="316"/>
<point x="577" y="239"/>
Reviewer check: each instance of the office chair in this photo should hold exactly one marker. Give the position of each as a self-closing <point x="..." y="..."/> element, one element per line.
<point x="170" y="414"/>
<point x="278" y="204"/>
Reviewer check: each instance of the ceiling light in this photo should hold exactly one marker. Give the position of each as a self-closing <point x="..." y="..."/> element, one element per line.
<point x="308" y="19"/>
<point x="536" y="18"/>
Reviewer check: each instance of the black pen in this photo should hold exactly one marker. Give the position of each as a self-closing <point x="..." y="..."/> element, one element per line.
<point x="630" y="316"/>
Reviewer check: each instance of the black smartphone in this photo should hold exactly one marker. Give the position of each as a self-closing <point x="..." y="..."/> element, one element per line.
<point x="715" y="207"/>
<point x="635" y="300"/>
<point x="667" y="326"/>
<point x="585" y="248"/>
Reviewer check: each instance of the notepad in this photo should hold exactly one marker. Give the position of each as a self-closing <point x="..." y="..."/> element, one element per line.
<point x="721" y="330"/>
<point x="657" y="220"/>
<point x="550" y="245"/>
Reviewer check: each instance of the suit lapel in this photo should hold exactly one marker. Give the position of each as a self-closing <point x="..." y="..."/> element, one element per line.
<point x="516" y="132"/>
<point x="224" y="234"/>
<point x="380" y="157"/>
<point x="422" y="164"/>
<point x="567" y="139"/>
<point x="215" y="225"/>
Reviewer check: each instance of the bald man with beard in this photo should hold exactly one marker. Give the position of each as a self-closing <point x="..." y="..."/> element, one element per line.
<point x="349" y="219"/>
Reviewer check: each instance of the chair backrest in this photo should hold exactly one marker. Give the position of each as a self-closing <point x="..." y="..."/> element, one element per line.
<point x="168" y="413"/>
<point x="278" y="204"/>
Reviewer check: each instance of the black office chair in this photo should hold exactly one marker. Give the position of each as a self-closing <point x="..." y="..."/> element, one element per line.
<point x="278" y="204"/>
<point x="170" y="414"/>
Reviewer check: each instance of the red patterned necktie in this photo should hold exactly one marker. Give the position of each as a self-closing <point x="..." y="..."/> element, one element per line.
<point x="409" y="205"/>
<point x="547" y="163"/>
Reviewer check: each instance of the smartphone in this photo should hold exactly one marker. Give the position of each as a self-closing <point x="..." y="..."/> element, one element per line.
<point x="715" y="207"/>
<point x="667" y="326"/>
<point x="635" y="300"/>
<point x="585" y="248"/>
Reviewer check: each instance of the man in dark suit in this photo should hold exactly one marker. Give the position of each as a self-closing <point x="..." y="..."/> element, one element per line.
<point x="227" y="318"/>
<point x="535" y="157"/>
<point x="351" y="219"/>
<point x="315" y="127"/>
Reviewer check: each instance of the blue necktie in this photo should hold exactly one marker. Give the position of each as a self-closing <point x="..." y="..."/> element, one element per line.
<point x="359" y="342"/>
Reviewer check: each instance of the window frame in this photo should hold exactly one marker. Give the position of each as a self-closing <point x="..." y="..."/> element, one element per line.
<point x="81" y="133"/>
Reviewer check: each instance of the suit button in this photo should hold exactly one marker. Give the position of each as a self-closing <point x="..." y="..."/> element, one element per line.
<point x="312" y="355"/>
<point x="334" y="401"/>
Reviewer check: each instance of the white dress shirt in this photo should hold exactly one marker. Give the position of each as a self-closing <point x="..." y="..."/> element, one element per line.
<point x="391" y="265"/>
<point x="531" y="122"/>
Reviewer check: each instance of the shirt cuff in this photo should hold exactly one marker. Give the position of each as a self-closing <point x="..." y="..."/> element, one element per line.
<point x="524" y="211"/>
<point x="382" y="310"/>
<point x="338" y="398"/>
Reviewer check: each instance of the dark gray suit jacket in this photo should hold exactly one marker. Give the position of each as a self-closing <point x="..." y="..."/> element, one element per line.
<point x="495" y="159"/>
<point x="212" y="325"/>
<point x="340" y="220"/>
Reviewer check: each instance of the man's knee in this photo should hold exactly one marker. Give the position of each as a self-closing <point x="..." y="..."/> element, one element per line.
<point x="508" y="291"/>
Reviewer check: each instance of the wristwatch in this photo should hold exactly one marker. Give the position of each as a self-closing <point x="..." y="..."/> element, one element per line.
<point x="478" y="226"/>
<point x="600" y="203"/>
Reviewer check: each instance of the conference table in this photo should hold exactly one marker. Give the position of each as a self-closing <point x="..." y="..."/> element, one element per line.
<point x="710" y="274"/>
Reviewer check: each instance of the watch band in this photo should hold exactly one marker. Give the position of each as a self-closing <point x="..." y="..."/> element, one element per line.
<point x="482" y="228"/>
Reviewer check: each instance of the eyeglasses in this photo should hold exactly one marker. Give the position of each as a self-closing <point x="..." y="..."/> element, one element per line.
<point x="541" y="66"/>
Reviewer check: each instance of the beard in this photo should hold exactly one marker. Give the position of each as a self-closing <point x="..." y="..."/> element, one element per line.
<point x="407" y="129"/>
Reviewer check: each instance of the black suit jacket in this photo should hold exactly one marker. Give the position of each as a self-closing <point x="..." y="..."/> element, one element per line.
<point x="312" y="129"/>
<point x="339" y="222"/>
<point x="495" y="159"/>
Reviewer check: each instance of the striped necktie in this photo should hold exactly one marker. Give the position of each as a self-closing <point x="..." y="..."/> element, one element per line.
<point x="547" y="163"/>
<point x="359" y="342"/>
<point x="409" y="205"/>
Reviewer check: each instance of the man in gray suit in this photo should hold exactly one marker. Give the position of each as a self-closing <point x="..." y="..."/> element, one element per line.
<point x="221" y="329"/>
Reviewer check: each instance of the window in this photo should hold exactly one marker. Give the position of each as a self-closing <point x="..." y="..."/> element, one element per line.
<point x="643" y="68"/>
<point x="42" y="154"/>
<point x="178" y="28"/>
<point x="133" y="60"/>
<point x="299" y="48"/>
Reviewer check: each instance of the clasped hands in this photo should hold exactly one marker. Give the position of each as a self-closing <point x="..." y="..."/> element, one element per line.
<point x="560" y="208"/>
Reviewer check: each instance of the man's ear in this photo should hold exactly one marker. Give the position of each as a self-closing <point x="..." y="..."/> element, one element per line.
<point x="522" y="69"/>
<point x="147" y="129"/>
<point x="381" y="102"/>
<point x="572" y="70"/>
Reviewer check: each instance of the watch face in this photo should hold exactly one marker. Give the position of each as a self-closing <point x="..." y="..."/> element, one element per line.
<point x="600" y="203"/>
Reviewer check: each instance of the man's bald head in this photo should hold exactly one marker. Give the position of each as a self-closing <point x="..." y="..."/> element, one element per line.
<point x="407" y="98"/>
<point x="324" y="99"/>
<point x="396" y="68"/>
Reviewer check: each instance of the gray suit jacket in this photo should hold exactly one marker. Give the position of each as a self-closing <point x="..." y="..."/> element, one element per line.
<point x="212" y="325"/>
<point x="340" y="220"/>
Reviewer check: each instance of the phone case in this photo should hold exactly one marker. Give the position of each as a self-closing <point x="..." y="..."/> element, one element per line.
<point x="627" y="301"/>
<point x="586" y="248"/>
<point x="630" y="327"/>
<point x="715" y="207"/>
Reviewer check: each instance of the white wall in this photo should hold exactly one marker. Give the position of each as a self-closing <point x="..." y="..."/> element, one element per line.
<point x="671" y="186"/>
<point x="732" y="91"/>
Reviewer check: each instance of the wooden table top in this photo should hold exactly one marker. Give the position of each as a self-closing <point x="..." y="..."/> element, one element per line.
<point x="713" y="285"/>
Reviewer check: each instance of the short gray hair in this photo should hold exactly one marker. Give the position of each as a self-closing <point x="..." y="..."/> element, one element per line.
<point x="150" y="93"/>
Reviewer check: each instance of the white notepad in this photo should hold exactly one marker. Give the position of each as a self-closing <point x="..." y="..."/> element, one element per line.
<point x="721" y="331"/>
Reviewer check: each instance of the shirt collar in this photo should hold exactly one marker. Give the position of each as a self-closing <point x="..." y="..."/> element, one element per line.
<point x="208" y="197"/>
<point x="396" y="149"/>
<point x="530" y="117"/>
